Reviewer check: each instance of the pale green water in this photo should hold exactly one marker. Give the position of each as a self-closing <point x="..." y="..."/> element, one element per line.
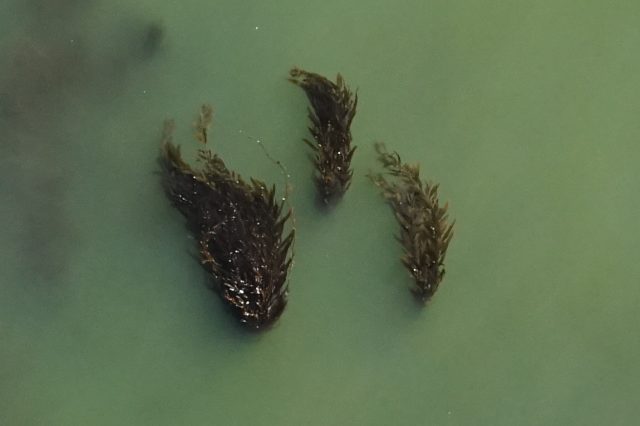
<point x="526" y="112"/>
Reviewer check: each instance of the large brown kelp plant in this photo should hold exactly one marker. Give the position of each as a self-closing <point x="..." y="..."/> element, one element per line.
<point x="333" y="107"/>
<point x="425" y="232"/>
<point x="239" y="226"/>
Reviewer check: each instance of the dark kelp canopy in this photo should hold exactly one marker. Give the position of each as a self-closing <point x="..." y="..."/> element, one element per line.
<point x="333" y="107"/>
<point x="425" y="231"/>
<point x="239" y="226"/>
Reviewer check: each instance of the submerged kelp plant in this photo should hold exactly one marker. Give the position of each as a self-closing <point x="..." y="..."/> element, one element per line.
<point x="425" y="232"/>
<point x="333" y="107"/>
<point x="239" y="226"/>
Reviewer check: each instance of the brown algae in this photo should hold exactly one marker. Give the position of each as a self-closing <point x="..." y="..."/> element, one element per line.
<point x="333" y="107"/>
<point x="425" y="231"/>
<point x="239" y="226"/>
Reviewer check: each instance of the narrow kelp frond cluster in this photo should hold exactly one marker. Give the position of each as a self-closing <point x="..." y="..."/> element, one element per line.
<point x="425" y="231"/>
<point x="333" y="107"/>
<point x="240" y="227"/>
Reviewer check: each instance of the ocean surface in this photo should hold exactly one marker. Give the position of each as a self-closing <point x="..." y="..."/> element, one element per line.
<point x="526" y="113"/>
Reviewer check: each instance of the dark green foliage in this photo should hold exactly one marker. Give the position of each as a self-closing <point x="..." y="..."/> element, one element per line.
<point x="425" y="232"/>
<point x="239" y="226"/>
<point x="333" y="107"/>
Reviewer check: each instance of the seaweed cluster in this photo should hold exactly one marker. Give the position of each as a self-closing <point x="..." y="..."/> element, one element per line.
<point x="425" y="231"/>
<point x="333" y="107"/>
<point x="239" y="226"/>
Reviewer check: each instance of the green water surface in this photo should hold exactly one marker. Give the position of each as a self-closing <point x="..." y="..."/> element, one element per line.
<point x="526" y="112"/>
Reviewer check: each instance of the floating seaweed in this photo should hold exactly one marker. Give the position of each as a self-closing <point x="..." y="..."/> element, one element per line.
<point x="425" y="232"/>
<point x="333" y="107"/>
<point x="239" y="226"/>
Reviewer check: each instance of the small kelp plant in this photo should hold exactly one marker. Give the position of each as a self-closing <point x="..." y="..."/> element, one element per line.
<point x="333" y="107"/>
<point x="239" y="225"/>
<point x="425" y="231"/>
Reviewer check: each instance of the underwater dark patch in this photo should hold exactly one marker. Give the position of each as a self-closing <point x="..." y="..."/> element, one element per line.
<point x="50" y="63"/>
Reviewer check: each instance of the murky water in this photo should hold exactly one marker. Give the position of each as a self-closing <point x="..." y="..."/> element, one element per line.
<point x="525" y="112"/>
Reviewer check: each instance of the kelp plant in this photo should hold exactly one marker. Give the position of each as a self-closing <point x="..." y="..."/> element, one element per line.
<point x="239" y="226"/>
<point x="425" y="231"/>
<point x="333" y="107"/>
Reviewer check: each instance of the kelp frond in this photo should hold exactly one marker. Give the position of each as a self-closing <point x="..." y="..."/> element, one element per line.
<point x="239" y="225"/>
<point x="425" y="231"/>
<point x="333" y="107"/>
<point x="202" y="123"/>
